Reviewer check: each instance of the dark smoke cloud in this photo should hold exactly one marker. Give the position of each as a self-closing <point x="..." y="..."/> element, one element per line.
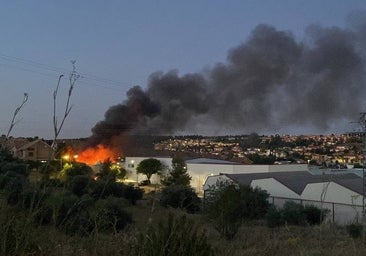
<point x="268" y="83"/>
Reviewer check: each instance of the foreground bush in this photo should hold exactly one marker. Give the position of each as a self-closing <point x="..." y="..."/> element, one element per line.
<point x="110" y="216"/>
<point x="180" y="196"/>
<point x="354" y="230"/>
<point x="16" y="235"/>
<point x="176" y="236"/>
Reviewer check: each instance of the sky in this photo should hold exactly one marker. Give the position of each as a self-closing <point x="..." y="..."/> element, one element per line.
<point x="119" y="44"/>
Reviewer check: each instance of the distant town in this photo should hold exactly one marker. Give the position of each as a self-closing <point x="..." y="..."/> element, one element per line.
<point x="329" y="151"/>
<point x="336" y="151"/>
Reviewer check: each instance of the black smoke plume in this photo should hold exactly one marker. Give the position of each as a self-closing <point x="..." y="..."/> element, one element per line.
<point x="270" y="83"/>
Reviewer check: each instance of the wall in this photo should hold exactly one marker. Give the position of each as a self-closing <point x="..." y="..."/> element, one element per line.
<point x="274" y="188"/>
<point x="200" y="172"/>
<point x="334" y="193"/>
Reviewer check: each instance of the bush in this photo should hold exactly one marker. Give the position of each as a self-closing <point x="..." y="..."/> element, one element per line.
<point x="13" y="167"/>
<point x="177" y="236"/>
<point x="354" y="230"/>
<point x="78" y="184"/>
<point x="255" y="204"/>
<point x="274" y="217"/>
<point x="179" y="196"/>
<point x="293" y="213"/>
<point x="227" y="205"/>
<point x="74" y="169"/>
<point x="225" y="210"/>
<point x="74" y="216"/>
<point x="106" y="187"/>
<point x="133" y="194"/>
<point x="110" y="216"/>
<point x="314" y="215"/>
<point x="17" y="236"/>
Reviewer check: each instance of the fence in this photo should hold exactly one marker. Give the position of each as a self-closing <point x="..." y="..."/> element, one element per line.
<point x="338" y="213"/>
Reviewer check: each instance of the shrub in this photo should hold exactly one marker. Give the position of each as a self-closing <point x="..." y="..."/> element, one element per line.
<point x="179" y="196"/>
<point x="225" y="210"/>
<point x="177" y="236"/>
<point x="293" y="213"/>
<point x="17" y="235"/>
<point x="274" y="217"/>
<point x="133" y="194"/>
<point x="78" y="184"/>
<point x="227" y="205"/>
<point x="106" y="187"/>
<point x="109" y="215"/>
<point x="314" y="215"/>
<point x="74" y="169"/>
<point x="354" y="230"/>
<point x="18" y="168"/>
<point x="75" y="216"/>
<point x="254" y="201"/>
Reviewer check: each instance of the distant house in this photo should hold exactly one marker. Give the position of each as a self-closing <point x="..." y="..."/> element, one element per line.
<point x="37" y="150"/>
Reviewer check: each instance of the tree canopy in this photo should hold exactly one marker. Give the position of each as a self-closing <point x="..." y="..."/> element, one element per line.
<point x="149" y="167"/>
<point x="178" y="175"/>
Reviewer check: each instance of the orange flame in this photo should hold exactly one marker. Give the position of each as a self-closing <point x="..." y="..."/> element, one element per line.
<point x="100" y="153"/>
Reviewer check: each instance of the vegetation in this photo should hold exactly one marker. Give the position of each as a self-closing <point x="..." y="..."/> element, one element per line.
<point x="295" y="214"/>
<point x="149" y="167"/>
<point x="79" y="215"/>
<point x="178" y="175"/>
<point x="177" y="236"/>
<point x="229" y="205"/>
<point x="180" y="196"/>
<point x="110" y="170"/>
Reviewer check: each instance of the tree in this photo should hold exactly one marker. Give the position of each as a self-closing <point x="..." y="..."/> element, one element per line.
<point x="149" y="167"/>
<point x="13" y="121"/>
<point x="180" y="196"/>
<point x="229" y="204"/>
<point x="57" y="126"/>
<point x="178" y="175"/>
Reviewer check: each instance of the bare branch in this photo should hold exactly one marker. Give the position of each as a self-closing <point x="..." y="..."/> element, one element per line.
<point x="57" y="127"/>
<point x="13" y="121"/>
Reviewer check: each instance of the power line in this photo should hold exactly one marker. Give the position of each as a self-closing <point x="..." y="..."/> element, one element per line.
<point x="32" y="65"/>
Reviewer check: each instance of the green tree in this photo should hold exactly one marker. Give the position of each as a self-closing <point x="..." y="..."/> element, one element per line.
<point x="111" y="170"/>
<point x="228" y="204"/>
<point x="149" y="167"/>
<point x="178" y="175"/>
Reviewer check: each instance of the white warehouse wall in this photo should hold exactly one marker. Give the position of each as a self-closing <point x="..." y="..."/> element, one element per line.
<point x="200" y="172"/>
<point x="274" y="188"/>
<point x="334" y="193"/>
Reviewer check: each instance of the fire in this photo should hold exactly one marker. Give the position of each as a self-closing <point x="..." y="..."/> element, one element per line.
<point x="100" y="153"/>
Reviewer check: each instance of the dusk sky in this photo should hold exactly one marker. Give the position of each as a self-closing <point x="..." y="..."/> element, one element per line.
<point x="119" y="44"/>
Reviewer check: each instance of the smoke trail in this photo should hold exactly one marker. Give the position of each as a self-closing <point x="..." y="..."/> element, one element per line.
<point x="269" y="82"/>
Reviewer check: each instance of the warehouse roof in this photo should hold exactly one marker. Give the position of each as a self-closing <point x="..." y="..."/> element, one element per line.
<point x="297" y="181"/>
